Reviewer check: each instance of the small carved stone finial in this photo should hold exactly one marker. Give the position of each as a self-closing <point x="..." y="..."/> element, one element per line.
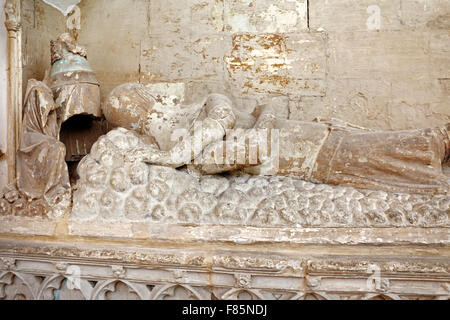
<point x="313" y="282"/>
<point x="9" y="11"/>
<point x="61" y="267"/>
<point x="178" y="275"/>
<point x="10" y="193"/>
<point x="384" y="286"/>
<point x="118" y="271"/>
<point x="74" y="19"/>
<point x="8" y="263"/>
<point x="243" y="280"/>
<point x="12" y="21"/>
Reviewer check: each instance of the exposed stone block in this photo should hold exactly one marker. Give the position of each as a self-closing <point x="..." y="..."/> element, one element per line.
<point x="165" y="58"/>
<point x="350" y="15"/>
<point x="428" y="14"/>
<point x="291" y="65"/>
<point x="168" y="16"/>
<point x="104" y="21"/>
<point x="27" y="226"/>
<point x="378" y="55"/>
<point x="237" y="16"/>
<point x="206" y="16"/>
<point x="53" y="271"/>
<point x="207" y="56"/>
<point x="264" y="16"/>
<point x="198" y="90"/>
<point x="192" y="58"/>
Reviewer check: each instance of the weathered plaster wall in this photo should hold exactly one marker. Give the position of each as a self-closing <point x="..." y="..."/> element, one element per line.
<point x="327" y="58"/>
<point x="3" y="110"/>
<point x="395" y="77"/>
<point x="41" y="23"/>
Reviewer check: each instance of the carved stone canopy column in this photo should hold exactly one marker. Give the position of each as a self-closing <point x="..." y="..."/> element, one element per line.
<point x="14" y="95"/>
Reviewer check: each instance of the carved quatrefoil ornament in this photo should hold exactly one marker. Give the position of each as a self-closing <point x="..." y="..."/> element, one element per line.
<point x="64" y="6"/>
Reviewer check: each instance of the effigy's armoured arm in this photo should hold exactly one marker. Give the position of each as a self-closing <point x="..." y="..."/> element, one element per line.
<point x="190" y="147"/>
<point x="211" y="129"/>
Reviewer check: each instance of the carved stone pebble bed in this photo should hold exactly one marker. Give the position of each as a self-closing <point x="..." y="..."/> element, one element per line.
<point x="113" y="189"/>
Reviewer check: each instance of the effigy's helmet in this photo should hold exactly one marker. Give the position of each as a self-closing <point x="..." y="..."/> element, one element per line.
<point x="128" y="106"/>
<point x="73" y="82"/>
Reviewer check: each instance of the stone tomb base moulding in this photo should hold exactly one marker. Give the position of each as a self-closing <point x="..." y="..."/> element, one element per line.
<point x="139" y="225"/>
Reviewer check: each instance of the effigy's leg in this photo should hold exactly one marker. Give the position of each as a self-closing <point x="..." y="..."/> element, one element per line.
<point x="404" y="161"/>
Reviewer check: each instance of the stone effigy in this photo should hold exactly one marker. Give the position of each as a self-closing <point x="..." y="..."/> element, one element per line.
<point x="330" y="152"/>
<point x="327" y="173"/>
<point x="114" y="187"/>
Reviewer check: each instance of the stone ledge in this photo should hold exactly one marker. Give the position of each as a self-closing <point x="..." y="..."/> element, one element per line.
<point x="252" y="235"/>
<point x="242" y="235"/>
<point x="27" y="226"/>
<point x="37" y="271"/>
<point x="327" y="259"/>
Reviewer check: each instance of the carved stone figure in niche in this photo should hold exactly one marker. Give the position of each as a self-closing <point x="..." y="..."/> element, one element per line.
<point x="72" y="89"/>
<point x="330" y="152"/>
<point x="42" y="171"/>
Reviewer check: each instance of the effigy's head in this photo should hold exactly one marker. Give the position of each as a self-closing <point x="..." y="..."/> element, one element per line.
<point x="128" y="106"/>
